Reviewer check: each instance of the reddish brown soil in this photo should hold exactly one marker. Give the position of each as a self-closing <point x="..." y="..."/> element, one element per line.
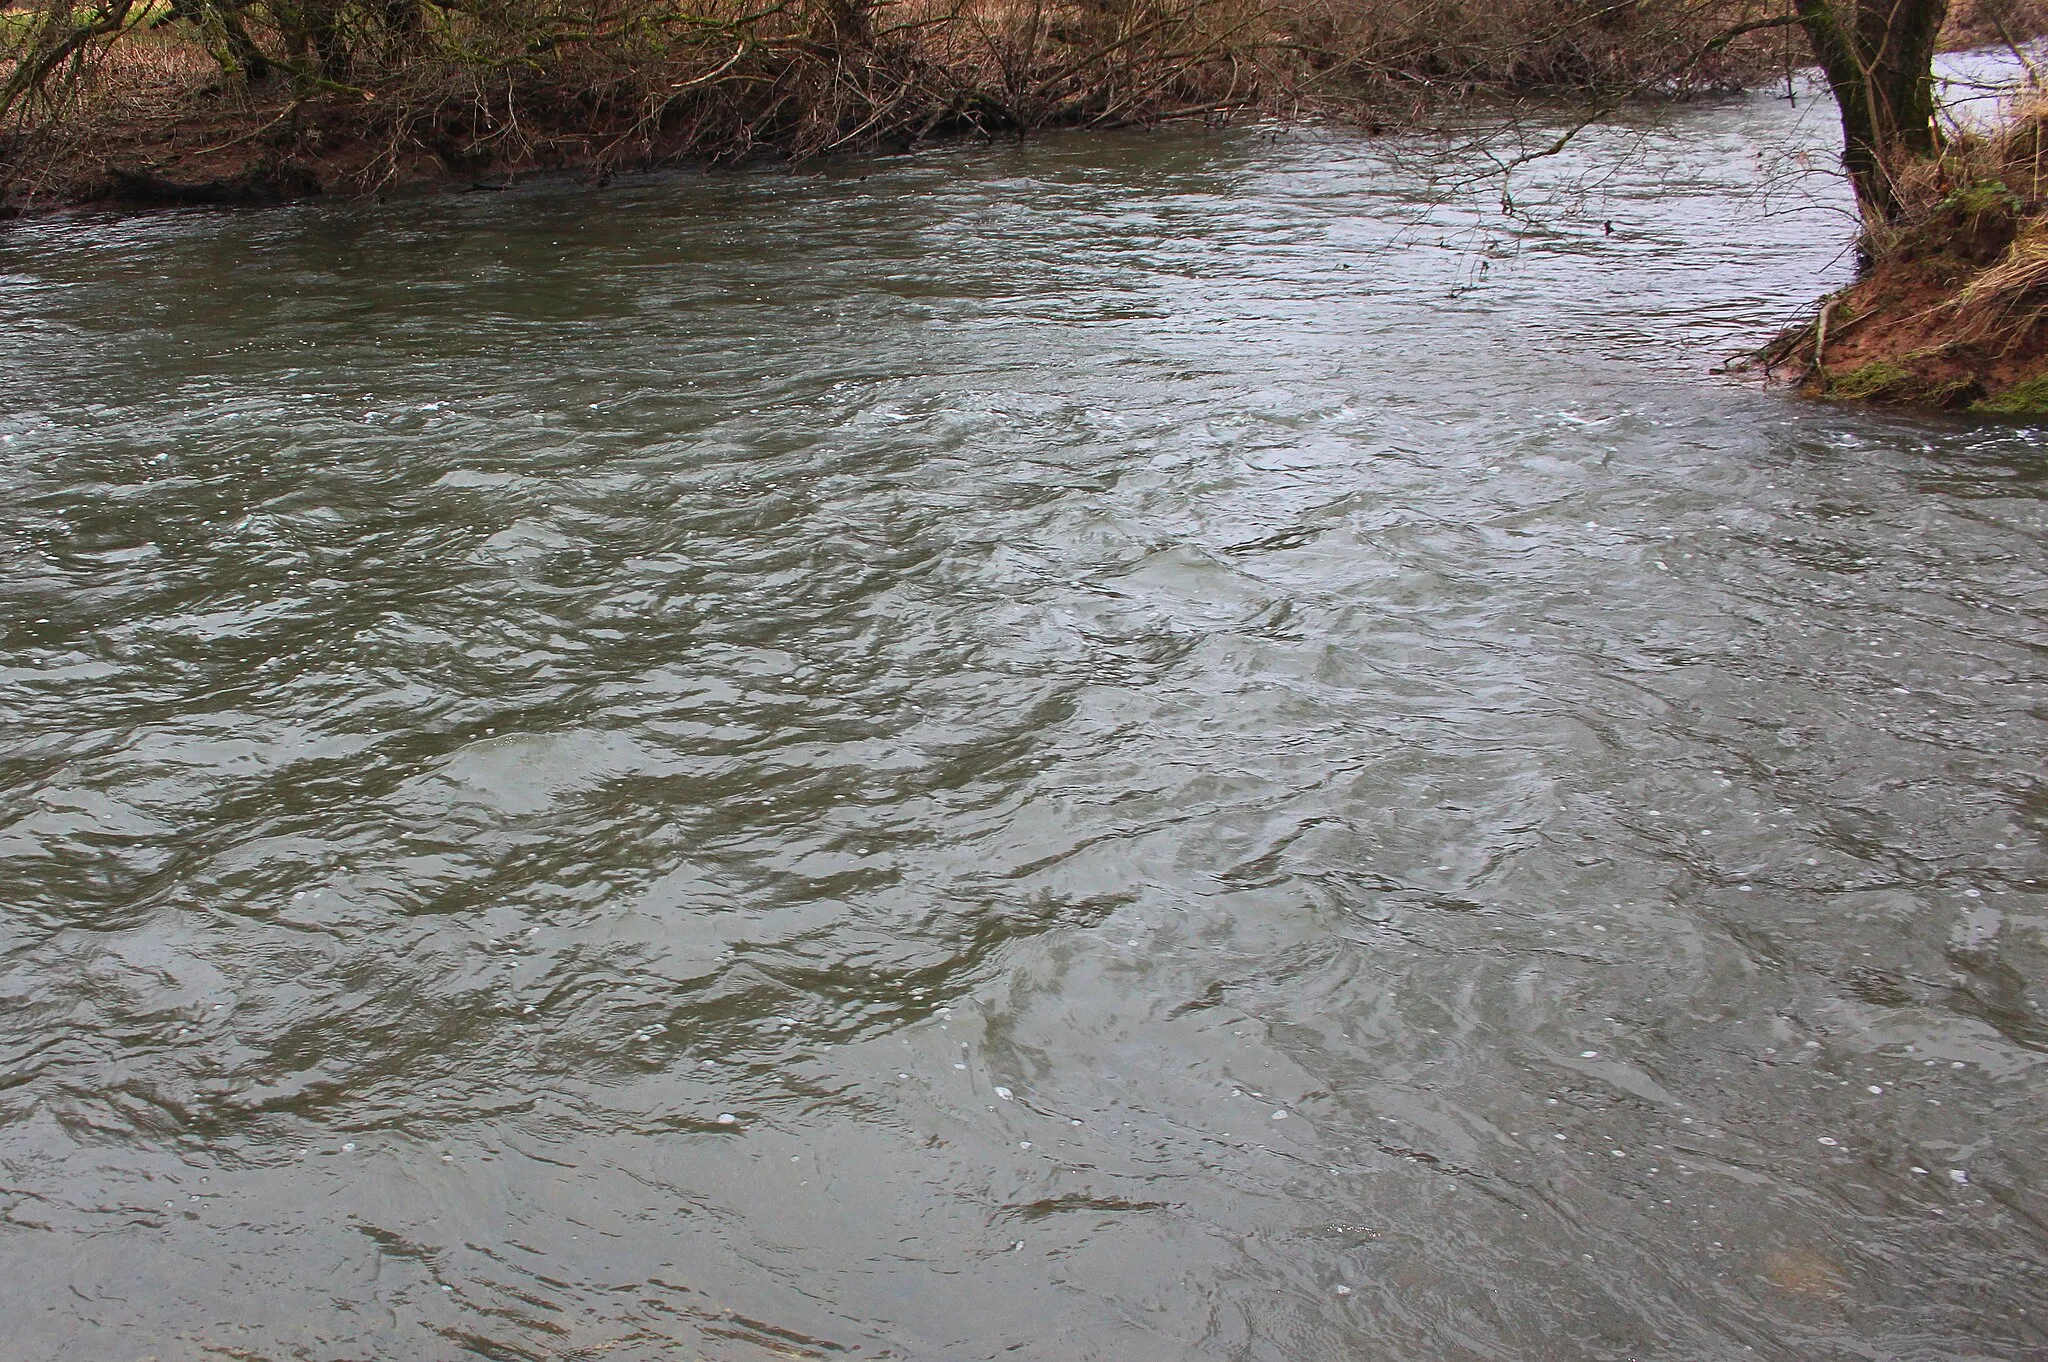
<point x="1902" y="334"/>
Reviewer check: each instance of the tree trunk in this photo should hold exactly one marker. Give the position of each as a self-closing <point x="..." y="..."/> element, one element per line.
<point x="1878" y="56"/>
<point x="238" y="51"/>
<point x="324" y="29"/>
<point x="843" y="24"/>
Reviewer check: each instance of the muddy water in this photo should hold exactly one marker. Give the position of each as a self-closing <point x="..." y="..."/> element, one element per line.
<point x="1129" y="748"/>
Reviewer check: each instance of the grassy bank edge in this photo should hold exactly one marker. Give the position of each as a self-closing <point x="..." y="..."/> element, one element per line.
<point x="1951" y="309"/>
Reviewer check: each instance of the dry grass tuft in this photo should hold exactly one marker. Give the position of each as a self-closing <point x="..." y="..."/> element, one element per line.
<point x="2010" y="299"/>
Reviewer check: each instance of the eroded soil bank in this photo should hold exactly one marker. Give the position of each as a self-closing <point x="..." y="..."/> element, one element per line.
<point x="1950" y="312"/>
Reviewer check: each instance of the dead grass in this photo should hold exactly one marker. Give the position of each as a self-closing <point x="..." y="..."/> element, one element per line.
<point x="2006" y="301"/>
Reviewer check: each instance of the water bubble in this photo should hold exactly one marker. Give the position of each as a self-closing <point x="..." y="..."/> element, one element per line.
<point x="1829" y="1140"/>
<point x="1003" y="1093"/>
<point x="1023" y="1144"/>
<point x="726" y="1118"/>
<point x="1876" y="1089"/>
<point x="349" y="1148"/>
<point x="1279" y="1115"/>
<point x="1589" y="1054"/>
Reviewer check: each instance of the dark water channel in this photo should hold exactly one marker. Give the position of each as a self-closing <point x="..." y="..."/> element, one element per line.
<point x="1130" y="748"/>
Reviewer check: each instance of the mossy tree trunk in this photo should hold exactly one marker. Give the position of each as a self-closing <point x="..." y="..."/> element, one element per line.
<point x="1878" y="57"/>
<point x="222" y="21"/>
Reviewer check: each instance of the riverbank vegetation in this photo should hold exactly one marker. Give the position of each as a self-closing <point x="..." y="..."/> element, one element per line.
<point x="185" y="100"/>
<point x="1951" y="307"/>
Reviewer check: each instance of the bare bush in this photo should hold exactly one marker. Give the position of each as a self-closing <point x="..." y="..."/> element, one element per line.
<point x="138" y="96"/>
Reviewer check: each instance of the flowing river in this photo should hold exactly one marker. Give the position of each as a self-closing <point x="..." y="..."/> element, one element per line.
<point x="1138" y="747"/>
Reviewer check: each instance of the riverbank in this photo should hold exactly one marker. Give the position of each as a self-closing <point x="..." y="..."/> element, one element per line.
<point x="160" y="124"/>
<point x="195" y="102"/>
<point x="1953" y="309"/>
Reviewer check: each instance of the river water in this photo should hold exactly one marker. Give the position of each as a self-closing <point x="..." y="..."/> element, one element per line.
<point x="1136" y="747"/>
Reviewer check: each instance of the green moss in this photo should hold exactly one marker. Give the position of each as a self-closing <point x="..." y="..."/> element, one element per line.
<point x="1879" y="378"/>
<point x="1986" y="196"/>
<point x="18" y="26"/>
<point x="2026" y="398"/>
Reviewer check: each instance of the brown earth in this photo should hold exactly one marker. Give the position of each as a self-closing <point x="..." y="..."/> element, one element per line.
<point x="1953" y="309"/>
<point x="1897" y="337"/>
